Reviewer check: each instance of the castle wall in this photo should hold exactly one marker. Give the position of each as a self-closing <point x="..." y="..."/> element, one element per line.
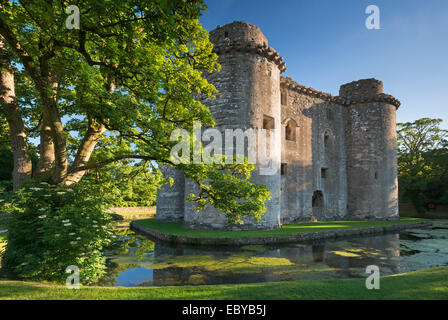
<point x="337" y="154"/>
<point x="249" y="90"/>
<point x="319" y="146"/>
<point x="170" y="199"/>
<point x="371" y="151"/>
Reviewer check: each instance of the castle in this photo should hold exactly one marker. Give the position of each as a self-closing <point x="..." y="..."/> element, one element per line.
<point x="337" y="159"/>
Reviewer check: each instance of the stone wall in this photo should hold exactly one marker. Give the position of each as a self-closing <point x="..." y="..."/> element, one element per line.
<point x="248" y="86"/>
<point x="315" y="161"/>
<point x="170" y="199"/>
<point x="336" y="156"/>
<point x="371" y="152"/>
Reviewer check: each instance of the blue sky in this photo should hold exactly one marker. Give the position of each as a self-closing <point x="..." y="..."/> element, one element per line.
<point x="325" y="44"/>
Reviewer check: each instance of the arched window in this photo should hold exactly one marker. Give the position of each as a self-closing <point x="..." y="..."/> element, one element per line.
<point x="290" y="130"/>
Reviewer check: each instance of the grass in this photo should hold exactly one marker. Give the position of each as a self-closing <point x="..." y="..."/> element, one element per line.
<point x="137" y="213"/>
<point x="427" y="284"/>
<point x="175" y="228"/>
<point x="428" y="215"/>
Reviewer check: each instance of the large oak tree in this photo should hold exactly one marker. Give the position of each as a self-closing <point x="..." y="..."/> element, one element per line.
<point x="111" y="90"/>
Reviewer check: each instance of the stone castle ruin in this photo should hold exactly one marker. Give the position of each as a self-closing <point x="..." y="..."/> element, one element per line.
<point x="337" y="159"/>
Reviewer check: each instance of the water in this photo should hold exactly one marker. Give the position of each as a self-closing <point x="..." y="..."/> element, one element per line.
<point x="137" y="261"/>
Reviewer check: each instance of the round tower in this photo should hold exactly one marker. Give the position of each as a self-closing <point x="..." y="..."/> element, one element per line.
<point x="371" y="151"/>
<point x="249" y="97"/>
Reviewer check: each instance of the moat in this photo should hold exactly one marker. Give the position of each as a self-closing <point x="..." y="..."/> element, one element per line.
<point x="136" y="261"/>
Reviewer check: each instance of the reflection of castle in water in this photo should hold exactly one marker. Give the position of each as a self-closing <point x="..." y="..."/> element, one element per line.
<point x="326" y="259"/>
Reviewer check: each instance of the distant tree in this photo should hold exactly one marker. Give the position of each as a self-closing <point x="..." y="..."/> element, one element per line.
<point x="423" y="163"/>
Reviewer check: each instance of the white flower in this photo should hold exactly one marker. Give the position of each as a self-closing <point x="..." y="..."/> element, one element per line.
<point x="42" y="216"/>
<point x="87" y="217"/>
<point x="60" y="192"/>
<point x="73" y="242"/>
<point x="43" y="209"/>
<point x="79" y="238"/>
<point x="95" y="226"/>
<point x="65" y="221"/>
<point x="67" y="224"/>
<point x="71" y="234"/>
<point x="36" y="189"/>
<point x="95" y="221"/>
<point x="24" y="263"/>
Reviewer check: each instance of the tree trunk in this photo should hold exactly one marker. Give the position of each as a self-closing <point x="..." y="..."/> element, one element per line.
<point x="84" y="153"/>
<point x="17" y="131"/>
<point x="88" y="143"/>
<point x="48" y="87"/>
<point x="46" y="151"/>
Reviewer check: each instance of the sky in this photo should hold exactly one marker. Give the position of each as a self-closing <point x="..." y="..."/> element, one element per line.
<point x="325" y="44"/>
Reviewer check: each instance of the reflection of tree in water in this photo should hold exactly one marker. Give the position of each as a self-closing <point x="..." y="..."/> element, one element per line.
<point x="125" y="244"/>
<point x="182" y="265"/>
<point x="318" y="252"/>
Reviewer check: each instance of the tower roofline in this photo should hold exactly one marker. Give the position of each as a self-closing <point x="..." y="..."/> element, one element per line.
<point x="348" y="94"/>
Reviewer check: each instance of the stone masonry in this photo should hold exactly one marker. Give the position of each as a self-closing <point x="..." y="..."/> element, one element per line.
<point x="336" y="156"/>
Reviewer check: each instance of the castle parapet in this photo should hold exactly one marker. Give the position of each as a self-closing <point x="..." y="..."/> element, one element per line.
<point x="290" y="84"/>
<point x="365" y="91"/>
<point x="243" y="37"/>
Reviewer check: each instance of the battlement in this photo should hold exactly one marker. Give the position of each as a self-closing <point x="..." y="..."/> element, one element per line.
<point x="290" y="84"/>
<point x="238" y="31"/>
<point x="241" y="36"/>
<point x="350" y="93"/>
<point x="365" y="90"/>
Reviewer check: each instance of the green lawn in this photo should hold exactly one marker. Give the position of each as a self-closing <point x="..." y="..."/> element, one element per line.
<point x="137" y="213"/>
<point x="288" y="229"/>
<point x="424" y="284"/>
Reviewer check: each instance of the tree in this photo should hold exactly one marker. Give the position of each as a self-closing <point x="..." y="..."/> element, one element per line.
<point x="129" y="76"/>
<point x="423" y="162"/>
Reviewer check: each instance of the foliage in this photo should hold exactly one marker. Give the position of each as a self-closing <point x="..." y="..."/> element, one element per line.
<point x="423" y="163"/>
<point x="56" y="227"/>
<point x="126" y="184"/>
<point x="123" y="82"/>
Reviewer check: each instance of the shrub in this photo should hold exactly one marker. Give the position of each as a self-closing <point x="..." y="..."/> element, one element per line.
<point x="54" y="228"/>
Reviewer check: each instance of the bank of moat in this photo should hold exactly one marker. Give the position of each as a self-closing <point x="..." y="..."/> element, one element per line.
<point x="337" y="158"/>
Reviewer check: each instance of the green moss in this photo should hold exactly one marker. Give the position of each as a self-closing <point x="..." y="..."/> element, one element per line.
<point x="174" y="228"/>
<point x="237" y="263"/>
<point x="345" y="254"/>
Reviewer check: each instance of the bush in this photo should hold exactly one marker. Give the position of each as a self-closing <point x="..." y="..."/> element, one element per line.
<point x="54" y="228"/>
